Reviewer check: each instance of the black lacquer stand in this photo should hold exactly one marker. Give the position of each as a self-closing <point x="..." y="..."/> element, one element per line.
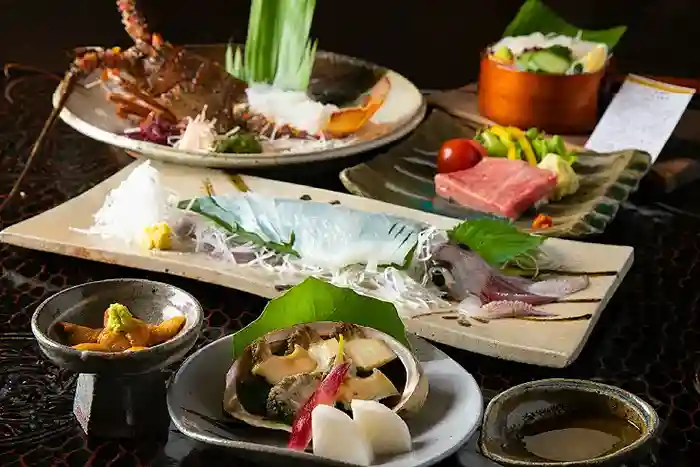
<point x="123" y="407"/>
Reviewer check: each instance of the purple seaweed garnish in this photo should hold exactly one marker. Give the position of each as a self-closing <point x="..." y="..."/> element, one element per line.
<point x="155" y="130"/>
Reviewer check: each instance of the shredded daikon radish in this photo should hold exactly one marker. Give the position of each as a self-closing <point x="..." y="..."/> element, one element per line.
<point x="393" y="285"/>
<point x="293" y="108"/>
<point x="138" y="202"/>
<point x="199" y="135"/>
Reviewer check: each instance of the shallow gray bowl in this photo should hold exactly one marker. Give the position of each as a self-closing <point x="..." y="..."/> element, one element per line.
<point x="84" y="304"/>
<point x="511" y="410"/>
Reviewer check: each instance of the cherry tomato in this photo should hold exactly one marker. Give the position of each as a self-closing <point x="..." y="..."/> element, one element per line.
<point x="457" y="154"/>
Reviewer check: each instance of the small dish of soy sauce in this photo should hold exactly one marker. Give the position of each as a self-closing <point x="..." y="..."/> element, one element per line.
<point x="567" y="423"/>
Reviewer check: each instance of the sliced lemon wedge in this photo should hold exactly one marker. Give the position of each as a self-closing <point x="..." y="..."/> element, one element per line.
<point x="503" y="55"/>
<point x="595" y="59"/>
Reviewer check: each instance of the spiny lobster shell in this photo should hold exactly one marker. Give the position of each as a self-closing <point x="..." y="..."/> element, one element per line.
<point x="202" y="83"/>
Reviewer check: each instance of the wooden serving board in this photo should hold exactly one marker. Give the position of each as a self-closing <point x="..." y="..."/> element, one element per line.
<point x="554" y="344"/>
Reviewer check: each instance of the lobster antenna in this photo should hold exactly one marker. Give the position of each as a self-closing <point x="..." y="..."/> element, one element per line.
<point x="69" y="84"/>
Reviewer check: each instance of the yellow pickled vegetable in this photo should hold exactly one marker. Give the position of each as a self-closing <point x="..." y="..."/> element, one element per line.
<point x="524" y="144"/>
<point x="502" y="133"/>
<point x="158" y="236"/>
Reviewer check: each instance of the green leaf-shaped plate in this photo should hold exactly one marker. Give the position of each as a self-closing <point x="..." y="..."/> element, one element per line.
<point x="404" y="176"/>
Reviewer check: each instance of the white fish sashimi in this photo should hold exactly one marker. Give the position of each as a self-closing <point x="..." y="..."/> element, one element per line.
<point x="138" y="202"/>
<point x="336" y="436"/>
<point x="383" y="429"/>
<point x="326" y="236"/>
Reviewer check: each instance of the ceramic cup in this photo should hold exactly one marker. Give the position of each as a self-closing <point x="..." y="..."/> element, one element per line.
<point x="512" y="410"/>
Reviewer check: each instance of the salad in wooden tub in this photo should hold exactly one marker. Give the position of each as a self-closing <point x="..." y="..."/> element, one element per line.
<point x="545" y="73"/>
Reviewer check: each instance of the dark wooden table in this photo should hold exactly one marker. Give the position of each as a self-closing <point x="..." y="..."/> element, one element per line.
<point x="647" y="341"/>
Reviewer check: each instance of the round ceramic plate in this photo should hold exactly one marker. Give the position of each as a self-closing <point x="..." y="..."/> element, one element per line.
<point x="336" y="79"/>
<point x="450" y="416"/>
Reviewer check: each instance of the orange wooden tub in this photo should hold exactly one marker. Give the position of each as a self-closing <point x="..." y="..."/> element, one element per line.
<point x="565" y="104"/>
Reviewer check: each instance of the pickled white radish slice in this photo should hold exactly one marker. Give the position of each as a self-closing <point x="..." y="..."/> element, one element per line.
<point x="385" y="431"/>
<point x="336" y="436"/>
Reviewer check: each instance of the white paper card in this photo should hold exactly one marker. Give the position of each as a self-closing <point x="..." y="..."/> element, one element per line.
<point x="642" y="116"/>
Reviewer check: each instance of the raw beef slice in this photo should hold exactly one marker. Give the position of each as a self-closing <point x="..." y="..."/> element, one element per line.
<point x="498" y="186"/>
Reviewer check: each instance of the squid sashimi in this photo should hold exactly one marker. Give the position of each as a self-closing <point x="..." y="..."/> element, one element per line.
<point x="321" y="235"/>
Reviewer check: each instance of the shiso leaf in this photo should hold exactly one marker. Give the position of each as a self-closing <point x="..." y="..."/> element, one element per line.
<point x="314" y="300"/>
<point x="535" y="16"/>
<point x="497" y="242"/>
<point x="209" y="208"/>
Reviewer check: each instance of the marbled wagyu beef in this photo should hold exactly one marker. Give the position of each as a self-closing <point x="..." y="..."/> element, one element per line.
<point x="498" y="186"/>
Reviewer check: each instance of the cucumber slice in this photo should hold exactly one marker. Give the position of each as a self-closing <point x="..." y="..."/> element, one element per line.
<point x="577" y="68"/>
<point x="524" y="60"/>
<point x="549" y="62"/>
<point x="561" y="51"/>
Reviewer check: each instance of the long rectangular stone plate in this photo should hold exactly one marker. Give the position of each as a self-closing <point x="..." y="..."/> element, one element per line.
<point x="554" y="344"/>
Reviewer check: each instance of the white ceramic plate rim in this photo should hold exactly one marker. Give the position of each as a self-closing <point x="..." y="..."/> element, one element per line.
<point x="468" y="413"/>
<point x="170" y="154"/>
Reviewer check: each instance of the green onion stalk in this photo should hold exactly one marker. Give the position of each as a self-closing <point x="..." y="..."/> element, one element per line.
<point x="278" y="49"/>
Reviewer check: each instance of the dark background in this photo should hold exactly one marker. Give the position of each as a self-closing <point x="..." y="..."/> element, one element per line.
<point x="435" y="43"/>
